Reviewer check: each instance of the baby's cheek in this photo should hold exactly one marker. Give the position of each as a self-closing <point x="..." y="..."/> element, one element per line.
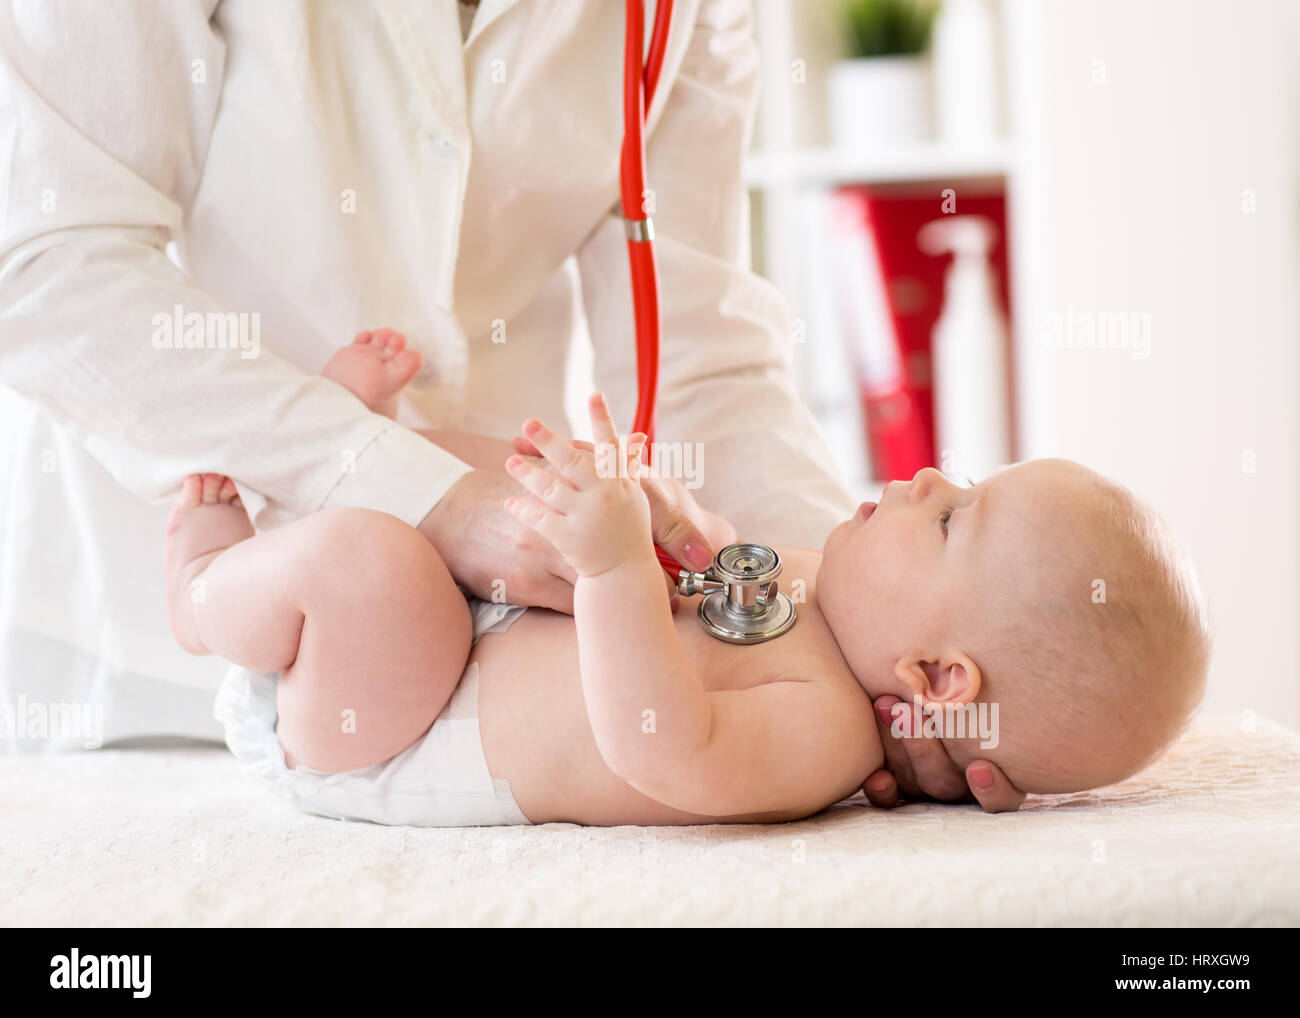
<point x="881" y="570"/>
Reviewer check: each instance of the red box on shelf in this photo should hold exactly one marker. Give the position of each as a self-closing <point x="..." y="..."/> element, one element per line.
<point x="900" y="418"/>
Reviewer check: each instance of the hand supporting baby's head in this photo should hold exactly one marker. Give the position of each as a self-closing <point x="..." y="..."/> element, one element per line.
<point x="1046" y="600"/>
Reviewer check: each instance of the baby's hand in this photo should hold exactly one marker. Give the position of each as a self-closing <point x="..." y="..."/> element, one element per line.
<point x="588" y="504"/>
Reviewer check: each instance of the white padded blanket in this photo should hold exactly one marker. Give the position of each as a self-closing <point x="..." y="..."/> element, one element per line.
<point x="1209" y="836"/>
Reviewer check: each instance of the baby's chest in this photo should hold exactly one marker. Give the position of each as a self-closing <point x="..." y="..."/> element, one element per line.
<point x="806" y="651"/>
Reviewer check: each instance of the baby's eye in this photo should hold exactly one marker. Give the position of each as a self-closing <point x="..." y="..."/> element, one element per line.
<point x="944" y="517"/>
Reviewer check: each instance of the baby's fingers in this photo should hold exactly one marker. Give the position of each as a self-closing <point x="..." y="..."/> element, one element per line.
<point x="572" y="465"/>
<point x="526" y="448"/>
<point x="553" y="491"/>
<point x="636" y="447"/>
<point x="603" y="431"/>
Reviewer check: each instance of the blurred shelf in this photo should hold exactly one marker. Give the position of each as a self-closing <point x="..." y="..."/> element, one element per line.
<point x="828" y="167"/>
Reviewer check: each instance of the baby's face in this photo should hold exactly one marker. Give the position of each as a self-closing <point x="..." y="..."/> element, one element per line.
<point x="924" y="574"/>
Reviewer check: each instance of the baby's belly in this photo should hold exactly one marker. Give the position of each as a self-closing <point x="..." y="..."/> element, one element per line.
<point x="533" y="722"/>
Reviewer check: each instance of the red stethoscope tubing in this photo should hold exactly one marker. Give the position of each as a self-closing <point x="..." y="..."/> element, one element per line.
<point x="639" y="85"/>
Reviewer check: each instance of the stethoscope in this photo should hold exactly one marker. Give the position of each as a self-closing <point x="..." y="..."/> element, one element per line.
<point x="742" y="602"/>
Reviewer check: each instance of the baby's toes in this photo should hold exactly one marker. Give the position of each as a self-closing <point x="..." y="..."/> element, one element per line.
<point x="191" y="493"/>
<point x="404" y="365"/>
<point x="229" y="494"/>
<point x="364" y="337"/>
<point x="212" y="484"/>
<point x="383" y="343"/>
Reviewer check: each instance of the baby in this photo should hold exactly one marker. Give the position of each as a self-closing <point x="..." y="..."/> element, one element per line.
<point x="1046" y="600"/>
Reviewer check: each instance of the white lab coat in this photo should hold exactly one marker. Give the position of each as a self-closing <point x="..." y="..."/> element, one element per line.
<point x="331" y="166"/>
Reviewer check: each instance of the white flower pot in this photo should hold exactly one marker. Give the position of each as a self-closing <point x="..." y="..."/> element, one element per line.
<point x="880" y="101"/>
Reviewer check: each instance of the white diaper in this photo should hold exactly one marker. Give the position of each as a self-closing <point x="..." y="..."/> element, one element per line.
<point x="440" y="780"/>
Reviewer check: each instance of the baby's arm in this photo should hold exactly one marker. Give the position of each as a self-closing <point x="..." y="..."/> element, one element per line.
<point x="775" y="748"/>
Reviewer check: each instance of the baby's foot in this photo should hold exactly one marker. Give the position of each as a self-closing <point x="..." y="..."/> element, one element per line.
<point x="375" y="369"/>
<point x="207" y="518"/>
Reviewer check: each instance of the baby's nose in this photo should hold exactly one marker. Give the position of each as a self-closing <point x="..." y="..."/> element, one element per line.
<point x="924" y="482"/>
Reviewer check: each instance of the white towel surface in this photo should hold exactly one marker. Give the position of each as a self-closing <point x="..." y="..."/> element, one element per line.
<point x="1209" y="836"/>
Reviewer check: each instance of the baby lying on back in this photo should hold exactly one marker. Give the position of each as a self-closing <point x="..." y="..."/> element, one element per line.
<point x="1045" y="607"/>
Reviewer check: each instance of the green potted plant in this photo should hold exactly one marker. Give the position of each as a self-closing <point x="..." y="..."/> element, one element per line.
<point x="881" y="94"/>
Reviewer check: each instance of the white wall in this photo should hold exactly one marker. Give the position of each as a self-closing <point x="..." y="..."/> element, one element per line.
<point x="1134" y="195"/>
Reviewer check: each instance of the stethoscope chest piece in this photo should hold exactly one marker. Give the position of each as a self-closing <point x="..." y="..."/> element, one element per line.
<point x="742" y="602"/>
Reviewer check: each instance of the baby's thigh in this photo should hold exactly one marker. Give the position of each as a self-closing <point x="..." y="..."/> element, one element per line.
<point x="385" y="638"/>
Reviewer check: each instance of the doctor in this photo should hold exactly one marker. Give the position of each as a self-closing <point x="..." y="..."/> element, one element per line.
<point x="323" y="167"/>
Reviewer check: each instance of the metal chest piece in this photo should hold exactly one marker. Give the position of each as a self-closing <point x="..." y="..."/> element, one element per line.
<point x="742" y="603"/>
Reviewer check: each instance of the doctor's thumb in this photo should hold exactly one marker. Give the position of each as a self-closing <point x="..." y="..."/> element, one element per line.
<point x="676" y="534"/>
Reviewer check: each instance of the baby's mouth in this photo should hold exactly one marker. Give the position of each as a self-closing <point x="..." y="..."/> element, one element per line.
<point x="866" y="509"/>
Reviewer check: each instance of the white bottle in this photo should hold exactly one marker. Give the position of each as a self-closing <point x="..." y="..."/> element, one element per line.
<point x="969" y="352"/>
<point x="965" y="74"/>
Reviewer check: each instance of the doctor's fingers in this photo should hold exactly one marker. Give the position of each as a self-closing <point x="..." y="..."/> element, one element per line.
<point x="896" y="765"/>
<point x="575" y="466"/>
<point x="882" y="790"/>
<point x="921" y="766"/>
<point x="675" y="532"/>
<point x="534" y="514"/>
<point x="992" y="788"/>
<point x="549" y="487"/>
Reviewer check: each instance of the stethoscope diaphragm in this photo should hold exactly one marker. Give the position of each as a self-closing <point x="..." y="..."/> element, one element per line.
<point x="742" y="603"/>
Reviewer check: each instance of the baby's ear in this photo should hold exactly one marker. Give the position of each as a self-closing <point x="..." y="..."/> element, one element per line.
<point x="951" y="680"/>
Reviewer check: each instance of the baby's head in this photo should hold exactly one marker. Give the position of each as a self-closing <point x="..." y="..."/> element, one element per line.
<point x="1047" y="591"/>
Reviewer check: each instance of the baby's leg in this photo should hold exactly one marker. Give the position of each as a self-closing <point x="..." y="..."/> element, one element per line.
<point x="353" y="606"/>
<point x="375" y="368"/>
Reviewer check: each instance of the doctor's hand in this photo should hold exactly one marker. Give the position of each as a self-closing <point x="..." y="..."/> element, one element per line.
<point x="922" y="769"/>
<point x="484" y="546"/>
